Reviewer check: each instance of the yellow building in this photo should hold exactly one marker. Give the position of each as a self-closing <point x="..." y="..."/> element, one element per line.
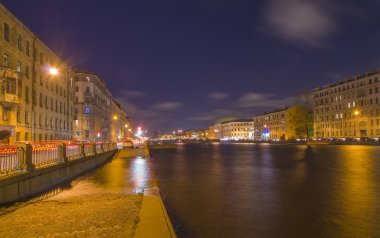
<point x="281" y="124"/>
<point x="349" y="108"/>
<point x="121" y="126"/>
<point x="36" y="101"/>
<point x="270" y="126"/>
<point x="92" y="107"/>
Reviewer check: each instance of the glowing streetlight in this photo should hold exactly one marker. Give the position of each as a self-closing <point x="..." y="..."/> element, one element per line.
<point x="115" y="117"/>
<point x="126" y="125"/>
<point x="53" y="71"/>
<point x="356" y="113"/>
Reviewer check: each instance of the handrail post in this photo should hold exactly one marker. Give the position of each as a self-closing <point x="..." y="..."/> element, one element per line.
<point x="94" y="148"/>
<point x="82" y="154"/>
<point x="25" y="153"/>
<point x="62" y="153"/>
<point x="101" y="147"/>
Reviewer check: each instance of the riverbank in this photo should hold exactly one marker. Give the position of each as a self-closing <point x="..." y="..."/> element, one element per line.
<point x="120" y="199"/>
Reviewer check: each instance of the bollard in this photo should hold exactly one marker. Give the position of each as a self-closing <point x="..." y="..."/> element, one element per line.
<point x="62" y="153"/>
<point x="25" y="153"/>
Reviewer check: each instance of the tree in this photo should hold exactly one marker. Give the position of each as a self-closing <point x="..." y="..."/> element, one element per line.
<point x="305" y="116"/>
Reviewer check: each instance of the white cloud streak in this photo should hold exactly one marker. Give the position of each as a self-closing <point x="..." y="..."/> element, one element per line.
<point x="132" y="93"/>
<point x="302" y="21"/>
<point x="252" y="100"/>
<point x="167" y="106"/>
<point x="217" y="96"/>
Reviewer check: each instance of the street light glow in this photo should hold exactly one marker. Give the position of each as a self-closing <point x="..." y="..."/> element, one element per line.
<point x="356" y="113"/>
<point x="53" y="71"/>
<point x="115" y="117"/>
<point x="126" y="125"/>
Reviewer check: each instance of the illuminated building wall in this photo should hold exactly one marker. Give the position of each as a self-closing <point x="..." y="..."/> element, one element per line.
<point x="35" y="105"/>
<point x="241" y="129"/>
<point x="349" y="108"/>
<point x="215" y="131"/>
<point x="92" y="107"/>
<point x="270" y="126"/>
<point x="121" y="126"/>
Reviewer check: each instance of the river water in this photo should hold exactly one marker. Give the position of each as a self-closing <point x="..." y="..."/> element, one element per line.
<point x="249" y="190"/>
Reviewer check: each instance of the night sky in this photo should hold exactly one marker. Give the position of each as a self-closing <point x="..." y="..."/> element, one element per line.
<point x="183" y="64"/>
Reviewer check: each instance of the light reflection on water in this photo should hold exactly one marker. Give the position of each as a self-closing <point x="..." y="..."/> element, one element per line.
<point x="140" y="175"/>
<point x="120" y="175"/>
<point x="271" y="190"/>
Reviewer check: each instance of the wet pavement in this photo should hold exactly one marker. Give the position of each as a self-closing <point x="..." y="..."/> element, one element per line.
<point x="103" y="203"/>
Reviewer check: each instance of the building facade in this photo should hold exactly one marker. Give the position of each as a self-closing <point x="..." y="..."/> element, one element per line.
<point x="36" y="102"/>
<point x="92" y="107"/>
<point x="215" y="131"/>
<point x="240" y="129"/>
<point x="271" y="126"/>
<point x="121" y="126"/>
<point x="282" y="124"/>
<point x="349" y="108"/>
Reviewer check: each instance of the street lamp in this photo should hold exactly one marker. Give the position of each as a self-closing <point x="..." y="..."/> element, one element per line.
<point x="53" y="71"/>
<point x="356" y="112"/>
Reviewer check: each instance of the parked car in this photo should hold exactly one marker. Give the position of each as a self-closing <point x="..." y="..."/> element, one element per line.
<point x="128" y="144"/>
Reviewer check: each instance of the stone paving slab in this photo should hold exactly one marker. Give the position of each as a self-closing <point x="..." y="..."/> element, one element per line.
<point x="154" y="221"/>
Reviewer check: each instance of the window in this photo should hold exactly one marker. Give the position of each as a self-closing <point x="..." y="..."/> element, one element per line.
<point x="26" y="136"/>
<point x="17" y="136"/>
<point x="27" y="48"/>
<point x="26" y="118"/>
<point x="41" y="100"/>
<point x="18" y="115"/>
<point x="27" y="71"/>
<point x="87" y="110"/>
<point x="19" y="42"/>
<point x="87" y="89"/>
<point x="18" y="69"/>
<point x="76" y="89"/>
<point x="26" y="94"/>
<point x="76" y="111"/>
<point x="5" y="60"/>
<point x="7" y="32"/>
<point x="10" y="85"/>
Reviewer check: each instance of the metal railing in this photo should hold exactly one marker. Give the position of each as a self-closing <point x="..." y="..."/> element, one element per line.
<point x="73" y="151"/>
<point x="106" y="147"/>
<point x="10" y="160"/>
<point x="43" y="154"/>
<point x="99" y="148"/>
<point x="27" y="157"/>
<point x="89" y="149"/>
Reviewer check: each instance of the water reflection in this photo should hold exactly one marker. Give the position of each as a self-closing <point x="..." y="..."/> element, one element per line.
<point x="271" y="190"/>
<point x="120" y="175"/>
<point x="140" y="176"/>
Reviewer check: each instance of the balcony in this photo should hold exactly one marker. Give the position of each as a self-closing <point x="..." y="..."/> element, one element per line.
<point x="9" y="87"/>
